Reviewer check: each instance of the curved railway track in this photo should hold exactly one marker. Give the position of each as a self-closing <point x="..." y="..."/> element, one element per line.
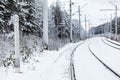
<point x="112" y="42"/>
<point x="111" y="45"/>
<point x="108" y="67"/>
<point x="72" y="50"/>
<point x="72" y="68"/>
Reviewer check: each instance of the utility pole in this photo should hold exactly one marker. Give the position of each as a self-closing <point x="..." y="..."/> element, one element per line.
<point x="45" y="24"/>
<point x="79" y="21"/>
<point x="116" y="10"/>
<point x="89" y="29"/>
<point x="15" y="19"/>
<point x="116" y="22"/>
<point x="111" y="24"/>
<point x="79" y="12"/>
<point x="85" y="27"/>
<point x="71" y="39"/>
<point x="57" y="5"/>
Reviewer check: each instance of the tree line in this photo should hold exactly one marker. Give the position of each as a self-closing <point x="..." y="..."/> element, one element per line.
<point x="108" y="27"/>
<point x="31" y="19"/>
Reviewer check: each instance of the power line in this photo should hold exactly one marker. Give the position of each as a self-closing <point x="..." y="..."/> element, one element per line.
<point x="116" y="10"/>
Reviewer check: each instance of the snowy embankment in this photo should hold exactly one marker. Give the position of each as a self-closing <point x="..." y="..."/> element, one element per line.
<point x="87" y="67"/>
<point x="48" y="65"/>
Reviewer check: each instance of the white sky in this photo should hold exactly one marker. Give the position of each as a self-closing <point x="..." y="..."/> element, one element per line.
<point x="92" y="10"/>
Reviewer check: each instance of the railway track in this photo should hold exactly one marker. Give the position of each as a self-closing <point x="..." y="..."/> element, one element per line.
<point x="108" y="67"/>
<point x="70" y="51"/>
<point x="111" y="45"/>
<point x="118" y="44"/>
<point x="72" y="68"/>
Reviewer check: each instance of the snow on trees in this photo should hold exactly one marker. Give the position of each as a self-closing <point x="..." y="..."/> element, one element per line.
<point x="60" y="21"/>
<point x="27" y="12"/>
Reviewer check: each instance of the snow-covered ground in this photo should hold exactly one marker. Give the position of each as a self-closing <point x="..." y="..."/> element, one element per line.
<point x="107" y="54"/>
<point x="48" y="65"/>
<point x="55" y="65"/>
<point x="87" y="67"/>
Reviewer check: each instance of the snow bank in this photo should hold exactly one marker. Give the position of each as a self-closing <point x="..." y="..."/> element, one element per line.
<point x="48" y="65"/>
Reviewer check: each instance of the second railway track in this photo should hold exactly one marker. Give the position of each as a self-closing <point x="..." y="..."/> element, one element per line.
<point x="111" y="45"/>
<point x="108" y="67"/>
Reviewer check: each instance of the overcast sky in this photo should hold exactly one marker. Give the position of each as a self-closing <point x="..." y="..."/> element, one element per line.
<point x="92" y="10"/>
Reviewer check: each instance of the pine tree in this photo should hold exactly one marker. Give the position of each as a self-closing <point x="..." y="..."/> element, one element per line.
<point x="27" y="17"/>
<point x="60" y="19"/>
<point x="1" y="15"/>
<point x="26" y="9"/>
<point x="6" y="14"/>
<point x="39" y="16"/>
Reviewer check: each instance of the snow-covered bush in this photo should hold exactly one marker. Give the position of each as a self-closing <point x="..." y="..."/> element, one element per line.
<point x="26" y="53"/>
<point x="10" y="60"/>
